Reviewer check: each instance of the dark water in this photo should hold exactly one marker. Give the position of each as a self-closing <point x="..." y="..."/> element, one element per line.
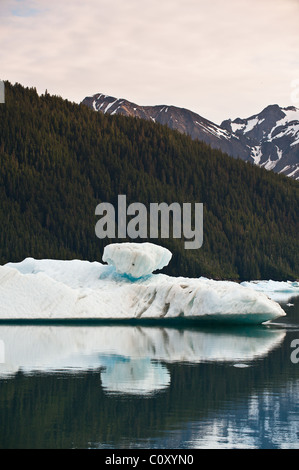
<point x="125" y="387"/>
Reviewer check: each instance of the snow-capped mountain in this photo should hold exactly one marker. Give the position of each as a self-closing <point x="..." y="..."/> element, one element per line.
<point x="274" y="138"/>
<point x="269" y="139"/>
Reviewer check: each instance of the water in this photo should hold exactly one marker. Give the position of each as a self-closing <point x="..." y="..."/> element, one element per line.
<point x="129" y="387"/>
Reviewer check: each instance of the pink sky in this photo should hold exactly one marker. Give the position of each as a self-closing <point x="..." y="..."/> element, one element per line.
<point x="218" y="58"/>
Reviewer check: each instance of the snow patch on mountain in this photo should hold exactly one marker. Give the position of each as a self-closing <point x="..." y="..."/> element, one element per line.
<point x="273" y="138"/>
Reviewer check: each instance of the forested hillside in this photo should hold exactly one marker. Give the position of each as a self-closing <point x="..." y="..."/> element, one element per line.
<point x="59" y="160"/>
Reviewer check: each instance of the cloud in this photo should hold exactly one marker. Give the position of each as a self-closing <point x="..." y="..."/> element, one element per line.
<point x="220" y="59"/>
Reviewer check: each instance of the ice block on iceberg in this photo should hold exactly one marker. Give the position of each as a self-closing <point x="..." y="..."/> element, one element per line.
<point x="136" y="259"/>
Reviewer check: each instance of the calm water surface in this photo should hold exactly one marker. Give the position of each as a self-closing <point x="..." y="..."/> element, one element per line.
<point x="150" y="387"/>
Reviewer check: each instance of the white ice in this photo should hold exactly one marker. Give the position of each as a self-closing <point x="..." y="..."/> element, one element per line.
<point x="280" y="291"/>
<point x="75" y="289"/>
<point x="136" y="259"/>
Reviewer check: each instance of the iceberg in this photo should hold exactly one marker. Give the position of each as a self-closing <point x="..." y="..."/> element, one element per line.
<point x="136" y="259"/>
<point x="82" y="290"/>
<point x="280" y="291"/>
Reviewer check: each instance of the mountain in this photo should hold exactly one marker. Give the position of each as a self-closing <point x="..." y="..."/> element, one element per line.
<point x="269" y="139"/>
<point x="180" y="119"/>
<point x="274" y="138"/>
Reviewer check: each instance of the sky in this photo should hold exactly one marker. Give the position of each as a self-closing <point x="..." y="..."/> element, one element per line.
<point x="220" y="59"/>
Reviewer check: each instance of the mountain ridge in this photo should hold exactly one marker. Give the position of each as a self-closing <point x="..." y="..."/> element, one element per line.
<point x="269" y="139"/>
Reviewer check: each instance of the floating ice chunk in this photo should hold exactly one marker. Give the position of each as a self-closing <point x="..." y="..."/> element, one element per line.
<point x="280" y="291"/>
<point x="241" y="366"/>
<point x="136" y="259"/>
<point x="75" y="289"/>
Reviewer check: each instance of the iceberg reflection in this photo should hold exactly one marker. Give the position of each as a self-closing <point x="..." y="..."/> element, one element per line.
<point x="133" y="359"/>
<point x="134" y="376"/>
